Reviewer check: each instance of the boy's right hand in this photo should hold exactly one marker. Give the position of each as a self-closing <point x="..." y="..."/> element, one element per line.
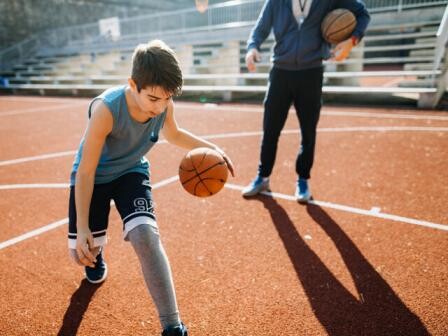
<point x="252" y="56"/>
<point x="84" y="245"/>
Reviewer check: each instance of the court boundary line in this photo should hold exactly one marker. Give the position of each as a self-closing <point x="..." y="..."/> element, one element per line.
<point x="54" y="225"/>
<point x="37" y="157"/>
<point x="40" y="109"/>
<point x="34" y="99"/>
<point x="379" y="129"/>
<point x="34" y="186"/>
<point x="211" y="107"/>
<point x="373" y="212"/>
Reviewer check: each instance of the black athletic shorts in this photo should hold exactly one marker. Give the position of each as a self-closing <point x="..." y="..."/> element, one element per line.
<point x="132" y="196"/>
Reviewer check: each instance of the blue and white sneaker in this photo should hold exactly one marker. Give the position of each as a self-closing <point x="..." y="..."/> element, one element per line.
<point x="303" y="192"/>
<point x="258" y="185"/>
<point x="180" y="330"/>
<point x="98" y="273"/>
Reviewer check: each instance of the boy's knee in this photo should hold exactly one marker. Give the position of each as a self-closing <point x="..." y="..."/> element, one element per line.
<point x="145" y="234"/>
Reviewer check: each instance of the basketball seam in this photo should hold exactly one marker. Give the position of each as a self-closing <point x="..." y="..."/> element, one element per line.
<point x="205" y="186"/>
<point x="198" y="175"/>
<point x="332" y="21"/>
<point x="186" y="170"/>
<point x="192" y="163"/>
<point x="337" y="31"/>
<point x="202" y="160"/>
<point x="202" y="172"/>
<point x="202" y="182"/>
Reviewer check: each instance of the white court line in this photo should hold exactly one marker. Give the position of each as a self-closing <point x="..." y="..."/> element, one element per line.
<point x="61" y="222"/>
<point x="258" y="133"/>
<point x="165" y="182"/>
<point x="385" y="115"/>
<point x="34" y="186"/>
<point x="33" y="233"/>
<point x="38" y="157"/>
<point x="38" y="100"/>
<point x="374" y="212"/>
<point x="330" y="113"/>
<point x="40" y="109"/>
<point x="335" y="130"/>
<point x="384" y="129"/>
<point x="242" y="134"/>
<point x="240" y="109"/>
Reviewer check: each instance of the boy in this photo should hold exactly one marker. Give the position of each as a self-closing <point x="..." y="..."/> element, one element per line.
<point x="124" y="124"/>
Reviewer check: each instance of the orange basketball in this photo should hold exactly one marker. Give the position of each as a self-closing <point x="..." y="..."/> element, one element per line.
<point x="338" y="25"/>
<point x="203" y="172"/>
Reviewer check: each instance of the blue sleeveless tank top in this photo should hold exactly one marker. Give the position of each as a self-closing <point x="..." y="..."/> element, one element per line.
<point x="125" y="147"/>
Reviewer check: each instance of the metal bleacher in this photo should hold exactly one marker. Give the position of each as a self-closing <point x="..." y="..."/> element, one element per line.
<point x="402" y="56"/>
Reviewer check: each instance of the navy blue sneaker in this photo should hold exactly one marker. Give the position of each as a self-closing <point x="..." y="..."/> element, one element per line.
<point x="258" y="185"/>
<point x="98" y="273"/>
<point x="303" y="192"/>
<point x="180" y="330"/>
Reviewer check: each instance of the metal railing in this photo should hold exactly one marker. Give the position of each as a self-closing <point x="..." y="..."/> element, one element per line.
<point x="399" y="5"/>
<point x="158" y="24"/>
<point x="190" y="19"/>
<point x="182" y="21"/>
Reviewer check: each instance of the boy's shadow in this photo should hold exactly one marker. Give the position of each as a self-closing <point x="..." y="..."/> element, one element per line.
<point x="78" y="305"/>
<point x="377" y="311"/>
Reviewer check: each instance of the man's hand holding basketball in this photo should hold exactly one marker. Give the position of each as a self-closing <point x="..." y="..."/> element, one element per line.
<point x="252" y="56"/>
<point x="342" y="50"/>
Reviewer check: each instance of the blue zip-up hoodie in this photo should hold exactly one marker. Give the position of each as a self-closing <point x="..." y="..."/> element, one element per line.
<point x="303" y="48"/>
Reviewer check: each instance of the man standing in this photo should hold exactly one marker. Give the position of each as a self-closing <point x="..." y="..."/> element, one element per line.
<point x="296" y="77"/>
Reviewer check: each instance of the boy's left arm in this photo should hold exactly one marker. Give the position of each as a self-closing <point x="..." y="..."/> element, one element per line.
<point x="183" y="138"/>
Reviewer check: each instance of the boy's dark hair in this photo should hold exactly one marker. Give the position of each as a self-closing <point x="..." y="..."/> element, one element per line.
<point x="155" y="64"/>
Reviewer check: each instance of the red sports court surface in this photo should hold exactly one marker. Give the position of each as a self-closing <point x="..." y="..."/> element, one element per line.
<point x="368" y="257"/>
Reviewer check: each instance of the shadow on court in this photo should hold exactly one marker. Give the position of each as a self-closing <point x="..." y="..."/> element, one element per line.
<point x="377" y="311"/>
<point x="79" y="303"/>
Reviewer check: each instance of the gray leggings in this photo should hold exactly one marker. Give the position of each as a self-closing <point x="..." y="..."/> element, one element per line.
<point x="145" y="240"/>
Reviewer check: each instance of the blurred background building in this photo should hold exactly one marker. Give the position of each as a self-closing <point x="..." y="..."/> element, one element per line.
<point x="81" y="47"/>
<point x="21" y="18"/>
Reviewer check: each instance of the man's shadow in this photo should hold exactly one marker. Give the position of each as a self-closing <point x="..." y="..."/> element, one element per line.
<point x="377" y="310"/>
<point x="78" y="305"/>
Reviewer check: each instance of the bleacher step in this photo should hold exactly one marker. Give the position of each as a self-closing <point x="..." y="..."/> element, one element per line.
<point x="400" y="47"/>
<point x="426" y="40"/>
<point x="400" y="36"/>
<point x="13" y="81"/>
<point x="422" y="26"/>
<point x="424" y="83"/>
<point x="418" y="66"/>
<point x="422" y="53"/>
<point x="428" y="29"/>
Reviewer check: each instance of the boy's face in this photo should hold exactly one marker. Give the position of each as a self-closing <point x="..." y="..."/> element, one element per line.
<point x="152" y="100"/>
